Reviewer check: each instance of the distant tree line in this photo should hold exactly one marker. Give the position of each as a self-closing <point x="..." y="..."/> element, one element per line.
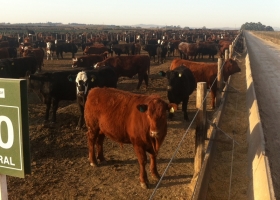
<point x="256" y="27"/>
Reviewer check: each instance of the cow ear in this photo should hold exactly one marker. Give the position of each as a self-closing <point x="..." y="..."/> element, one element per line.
<point x="162" y="73"/>
<point x="142" y="108"/>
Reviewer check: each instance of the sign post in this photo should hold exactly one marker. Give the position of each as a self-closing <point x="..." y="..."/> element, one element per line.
<point x="14" y="129"/>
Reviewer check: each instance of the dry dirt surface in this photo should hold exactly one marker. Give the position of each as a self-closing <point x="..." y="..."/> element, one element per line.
<point x="59" y="164"/>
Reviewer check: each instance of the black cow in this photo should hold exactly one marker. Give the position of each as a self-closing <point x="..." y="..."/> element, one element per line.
<point x="66" y="47"/>
<point x="151" y="49"/>
<point x="161" y="53"/>
<point x="17" y="67"/>
<point x="85" y="80"/>
<point x="39" y="44"/>
<point x="53" y="87"/>
<point x="207" y="48"/>
<point x="181" y="84"/>
<point x="119" y="49"/>
<point x="12" y="52"/>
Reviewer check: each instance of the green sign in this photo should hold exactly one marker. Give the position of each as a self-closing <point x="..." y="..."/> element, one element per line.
<point x="14" y="128"/>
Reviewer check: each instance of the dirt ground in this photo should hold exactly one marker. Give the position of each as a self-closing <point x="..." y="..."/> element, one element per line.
<point x="60" y="168"/>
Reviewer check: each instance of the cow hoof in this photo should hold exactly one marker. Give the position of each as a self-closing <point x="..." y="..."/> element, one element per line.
<point x="93" y="165"/>
<point x="144" y="185"/>
<point x="155" y="177"/>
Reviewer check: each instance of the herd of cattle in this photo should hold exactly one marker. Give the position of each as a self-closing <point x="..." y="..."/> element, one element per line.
<point x="93" y="83"/>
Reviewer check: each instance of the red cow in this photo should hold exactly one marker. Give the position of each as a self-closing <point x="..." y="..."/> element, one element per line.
<point x="141" y="121"/>
<point x="95" y="50"/>
<point x="207" y="72"/>
<point x="188" y="50"/>
<point x="38" y="53"/>
<point x="88" y="60"/>
<point x="129" y="66"/>
<point x="223" y="45"/>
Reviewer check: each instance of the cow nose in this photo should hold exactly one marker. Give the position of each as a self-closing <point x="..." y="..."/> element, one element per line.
<point x="169" y="87"/>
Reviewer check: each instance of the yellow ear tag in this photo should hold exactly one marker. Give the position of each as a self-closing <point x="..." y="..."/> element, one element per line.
<point x="92" y="79"/>
<point x="180" y="74"/>
<point x="171" y="110"/>
<point x="12" y="63"/>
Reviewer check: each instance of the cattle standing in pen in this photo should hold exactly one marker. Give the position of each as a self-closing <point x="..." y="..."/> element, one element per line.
<point x="88" y="61"/>
<point x="181" y="84"/>
<point x="65" y="47"/>
<point x="85" y="80"/>
<point x="207" y="72"/>
<point x="51" y="88"/>
<point x="127" y="118"/>
<point x="129" y="66"/>
<point x="17" y="67"/>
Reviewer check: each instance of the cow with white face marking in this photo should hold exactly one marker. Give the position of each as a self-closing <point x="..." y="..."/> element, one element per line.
<point x="85" y="80"/>
<point x="50" y="49"/>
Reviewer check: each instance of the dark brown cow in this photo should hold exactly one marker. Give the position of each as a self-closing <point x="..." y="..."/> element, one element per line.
<point x="88" y="61"/>
<point x="95" y="50"/>
<point x="127" y="118"/>
<point x="129" y="66"/>
<point x="188" y="50"/>
<point x="137" y="48"/>
<point x="207" y="48"/>
<point x="38" y="53"/>
<point x="4" y="44"/>
<point x="4" y="53"/>
<point x="207" y="72"/>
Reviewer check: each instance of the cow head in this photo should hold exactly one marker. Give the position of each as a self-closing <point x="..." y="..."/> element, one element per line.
<point x="155" y="109"/>
<point x="230" y="67"/>
<point x="81" y="83"/>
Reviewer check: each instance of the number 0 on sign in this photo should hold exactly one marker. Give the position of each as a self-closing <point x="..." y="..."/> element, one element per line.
<point x="14" y="130"/>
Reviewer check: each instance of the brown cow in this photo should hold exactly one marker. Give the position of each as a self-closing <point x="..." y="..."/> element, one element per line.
<point x="95" y="50"/>
<point x="137" y="48"/>
<point x="38" y="53"/>
<point x="188" y="50"/>
<point x="137" y="119"/>
<point x="129" y="66"/>
<point x="88" y="60"/>
<point x="223" y="45"/>
<point x="207" y="72"/>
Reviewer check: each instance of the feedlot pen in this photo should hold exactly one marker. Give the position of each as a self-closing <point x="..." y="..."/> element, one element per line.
<point x="59" y="153"/>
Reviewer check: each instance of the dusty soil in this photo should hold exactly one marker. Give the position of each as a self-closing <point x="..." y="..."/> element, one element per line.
<point x="60" y="168"/>
<point x="229" y="179"/>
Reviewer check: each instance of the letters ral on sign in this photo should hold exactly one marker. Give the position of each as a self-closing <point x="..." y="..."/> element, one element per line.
<point x="14" y="128"/>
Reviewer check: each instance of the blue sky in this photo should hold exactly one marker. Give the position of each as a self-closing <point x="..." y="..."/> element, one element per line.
<point x="194" y="13"/>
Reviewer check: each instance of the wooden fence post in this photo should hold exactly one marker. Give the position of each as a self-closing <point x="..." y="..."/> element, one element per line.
<point x="200" y="127"/>
<point x="230" y="51"/>
<point x="219" y="82"/>
<point x="3" y="187"/>
<point x="226" y="54"/>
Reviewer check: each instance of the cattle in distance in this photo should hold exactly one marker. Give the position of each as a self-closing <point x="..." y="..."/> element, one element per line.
<point x="137" y="119"/>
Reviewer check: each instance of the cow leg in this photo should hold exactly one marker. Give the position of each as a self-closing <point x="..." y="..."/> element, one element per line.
<point x="92" y="137"/>
<point x="48" y="107"/>
<point x="99" y="144"/>
<point x="153" y="167"/>
<point x="81" y="118"/>
<point x="142" y="160"/>
<point x="54" y="109"/>
<point x="146" y="79"/>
